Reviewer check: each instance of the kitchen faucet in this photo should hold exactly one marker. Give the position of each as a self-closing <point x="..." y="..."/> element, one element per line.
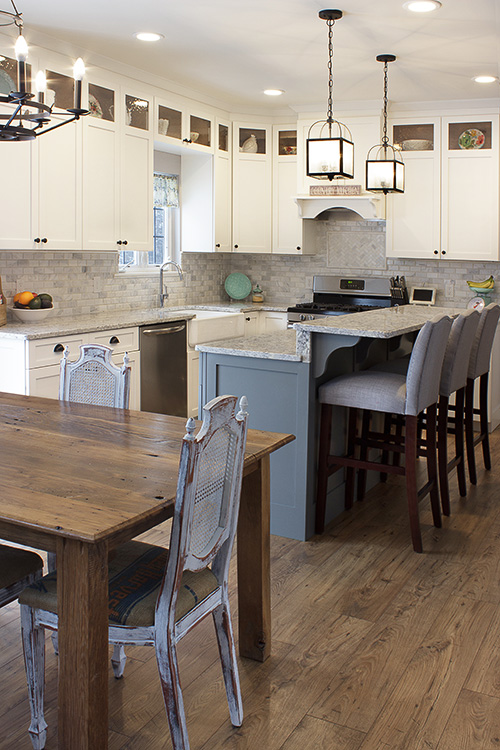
<point x="163" y="288"/>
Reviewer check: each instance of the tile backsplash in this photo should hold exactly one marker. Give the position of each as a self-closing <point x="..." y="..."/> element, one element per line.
<point x="88" y="283"/>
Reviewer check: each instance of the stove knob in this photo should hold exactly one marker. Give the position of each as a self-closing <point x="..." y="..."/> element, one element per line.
<point x="310" y="317"/>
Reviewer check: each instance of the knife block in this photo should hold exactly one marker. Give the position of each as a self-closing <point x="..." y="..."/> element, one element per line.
<point x="3" y="306"/>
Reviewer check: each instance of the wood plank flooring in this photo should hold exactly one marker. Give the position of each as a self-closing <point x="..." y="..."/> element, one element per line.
<point x="374" y="646"/>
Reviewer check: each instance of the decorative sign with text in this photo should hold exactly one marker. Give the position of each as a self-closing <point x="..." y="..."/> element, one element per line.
<point x="335" y="190"/>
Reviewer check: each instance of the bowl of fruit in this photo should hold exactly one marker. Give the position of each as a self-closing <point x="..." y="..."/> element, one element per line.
<point x="30" y="307"/>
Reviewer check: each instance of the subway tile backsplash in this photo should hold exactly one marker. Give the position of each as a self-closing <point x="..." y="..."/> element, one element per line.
<point x="89" y="283"/>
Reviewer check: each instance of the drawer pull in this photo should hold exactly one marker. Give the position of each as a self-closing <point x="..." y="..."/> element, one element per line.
<point x="58" y="348"/>
<point x="114" y="340"/>
<point x="248" y="318"/>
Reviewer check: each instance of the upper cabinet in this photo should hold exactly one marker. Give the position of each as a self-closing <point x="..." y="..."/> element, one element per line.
<point x="222" y="186"/>
<point x="286" y="223"/>
<point x="449" y="209"/>
<point x="179" y="123"/>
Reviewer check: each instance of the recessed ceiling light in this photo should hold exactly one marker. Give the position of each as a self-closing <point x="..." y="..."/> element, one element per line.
<point x="422" y="6"/>
<point x="148" y="36"/>
<point x="485" y="79"/>
<point x="274" y="92"/>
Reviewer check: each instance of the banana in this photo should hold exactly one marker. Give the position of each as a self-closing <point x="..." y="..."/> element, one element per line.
<point x="486" y="284"/>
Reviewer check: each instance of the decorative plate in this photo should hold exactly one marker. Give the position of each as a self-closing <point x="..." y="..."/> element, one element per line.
<point x="476" y="303"/>
<point x="472" y="138"/>
<point x="95" y="108"/>
<point x="238" y="286"/>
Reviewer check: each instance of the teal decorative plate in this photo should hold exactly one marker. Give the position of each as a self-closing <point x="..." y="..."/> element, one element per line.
<point x="238" y="286"/>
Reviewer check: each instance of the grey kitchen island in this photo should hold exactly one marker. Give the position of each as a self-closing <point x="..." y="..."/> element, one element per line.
<point x="280" y="374"/>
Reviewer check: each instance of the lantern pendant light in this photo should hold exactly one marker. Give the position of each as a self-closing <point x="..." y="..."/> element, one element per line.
<point x="385" y="169"/>
<point x="329" y="153"/>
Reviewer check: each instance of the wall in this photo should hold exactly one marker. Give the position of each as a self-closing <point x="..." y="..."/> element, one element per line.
<point x="90" y="283"/>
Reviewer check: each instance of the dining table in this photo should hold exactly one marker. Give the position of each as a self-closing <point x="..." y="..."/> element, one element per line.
<point x="78" y="480"/>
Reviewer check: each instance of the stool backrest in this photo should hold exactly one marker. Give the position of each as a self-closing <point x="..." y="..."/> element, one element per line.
<point x="458" y="350"/>
<point x="94" y="378"/>
<point x="426" y="362"/>
<point x="481" y="349"/>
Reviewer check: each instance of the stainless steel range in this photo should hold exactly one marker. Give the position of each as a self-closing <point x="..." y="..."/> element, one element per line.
<point x="342" y="295"/>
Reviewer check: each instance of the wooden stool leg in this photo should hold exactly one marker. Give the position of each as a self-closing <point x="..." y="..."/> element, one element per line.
<point x="442" y="442"/>
<point x="349" y="474"/>
<point x="411" y="481"/>
<point x="432" y="465"/>
<point x="363" y="454"/>
<point x="385" y="455"/>
<point x="396" y="460"/>
<point x="459" y="441"/>
<point x="325" y="433"/>
<point x="469" y="429"/>
<point x="483" y="417"/>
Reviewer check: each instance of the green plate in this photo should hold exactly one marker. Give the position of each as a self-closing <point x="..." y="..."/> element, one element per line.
<point x="238" y="286"/>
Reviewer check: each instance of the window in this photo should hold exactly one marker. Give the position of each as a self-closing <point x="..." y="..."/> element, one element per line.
<point x="165" y="226"/>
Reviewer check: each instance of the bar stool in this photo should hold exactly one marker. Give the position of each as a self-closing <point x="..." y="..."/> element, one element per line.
<point x="479" y="367"/>
<point x="389" y="393"/>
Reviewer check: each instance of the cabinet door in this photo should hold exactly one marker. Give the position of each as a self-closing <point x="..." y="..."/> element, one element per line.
<point x="469" y="226"/>
<point x="136" y="189"/>
<point x="272" y="321"/>
<point x="44" y="381"/>
<point x="59" y="188"/>
<point x="251" y="189"/>
<point x="251" y="323"/>
<point x="413" y="218"/>
<point x="16" y="196"/>
<point x="100" y="171"/>
<point x="193" y="377"/>
<point x="222" y="188"/>
<point x="287" y="225"/>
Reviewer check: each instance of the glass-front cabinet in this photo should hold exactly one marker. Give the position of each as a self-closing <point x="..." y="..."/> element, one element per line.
<point x="450" y="207"/>
<point x="177" y="124"/>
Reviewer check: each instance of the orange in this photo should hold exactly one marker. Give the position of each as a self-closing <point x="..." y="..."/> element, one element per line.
<point x="16" y="296"/>
<point x="25" y="298"/>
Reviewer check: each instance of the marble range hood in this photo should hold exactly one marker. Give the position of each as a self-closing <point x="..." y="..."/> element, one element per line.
<point x="367" y="207"/>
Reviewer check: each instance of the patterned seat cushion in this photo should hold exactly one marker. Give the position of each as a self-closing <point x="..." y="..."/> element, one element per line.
<point x="135" y="574"/>
<point x="16" y="564"/>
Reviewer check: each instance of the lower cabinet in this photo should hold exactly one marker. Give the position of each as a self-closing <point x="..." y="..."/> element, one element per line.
<point x="272" y="321"/>
<point x="34" y="365"/>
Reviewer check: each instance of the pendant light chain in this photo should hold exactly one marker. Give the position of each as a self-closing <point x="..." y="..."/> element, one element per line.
<point x="385" y="139"/>
<point x="329" y="115"/>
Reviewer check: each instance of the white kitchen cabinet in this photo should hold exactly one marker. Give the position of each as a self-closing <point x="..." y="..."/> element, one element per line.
<point x="252" y="320"/>
<point x="18" y="215"/>
<point x="272" y="321"/>
<point x="449" y="210"/>
<point x="193" y="380"/>
<point x="34" y="365"/>
<point x="252" y="194"/>
<point x="181" y="122"/>
<point x="286" y="222"/>
<point x="222" y="187"/>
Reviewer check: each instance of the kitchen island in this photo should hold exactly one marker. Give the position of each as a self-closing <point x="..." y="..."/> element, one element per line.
<point x="280" y="374"/>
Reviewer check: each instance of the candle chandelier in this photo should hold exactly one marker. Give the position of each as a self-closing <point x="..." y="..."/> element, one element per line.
<point x="30" y="117"/>
<point x="330" y="154"/>
<point x="385" y="170"/>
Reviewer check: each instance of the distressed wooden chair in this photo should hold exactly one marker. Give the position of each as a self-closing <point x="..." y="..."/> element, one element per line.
<point x="389" y="393"/>
<point x="18" y="569"/>
<point x="94" y="378"/>
<point x="157" y="595"/>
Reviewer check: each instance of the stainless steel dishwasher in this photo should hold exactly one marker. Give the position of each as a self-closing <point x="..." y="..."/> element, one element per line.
<point x="164" y="368"/>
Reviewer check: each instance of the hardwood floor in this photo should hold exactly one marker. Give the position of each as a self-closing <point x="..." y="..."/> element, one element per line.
<point x="374" y="646"/>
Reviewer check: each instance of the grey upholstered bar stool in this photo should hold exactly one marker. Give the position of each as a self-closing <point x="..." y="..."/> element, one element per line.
<point x="479" y="367"/>
<point x="392" y="393"/>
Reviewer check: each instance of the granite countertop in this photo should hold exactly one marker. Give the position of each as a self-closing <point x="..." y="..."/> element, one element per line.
<point x="378" y="324"/>
<point x="276" y="345"/>
<point x="75" y="324"/>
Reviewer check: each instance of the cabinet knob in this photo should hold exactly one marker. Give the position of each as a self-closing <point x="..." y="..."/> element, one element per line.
<point x="236" y="247"/>
<point x="58" y="348"/>
<point x="217" y="244"/>
<point x="436" y="252"/>
<point x="298" y="247"/>
<point x="125" y="242"/>
<point x="37" y="239"/>
<point x="443" y="252"/>
<point x="118" y="242"/>
<point x="248" y="318"/>
<point x="187" y="140"/>
<point x="44" y="239"/>
<point x="114" y="340"/>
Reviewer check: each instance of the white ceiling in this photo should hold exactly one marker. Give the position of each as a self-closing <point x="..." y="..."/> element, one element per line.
<point x="231" y="50"/>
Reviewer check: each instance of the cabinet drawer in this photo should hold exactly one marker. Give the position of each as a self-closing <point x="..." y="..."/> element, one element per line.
<point x="42" y="352"/>
<point x="120" y="340"/>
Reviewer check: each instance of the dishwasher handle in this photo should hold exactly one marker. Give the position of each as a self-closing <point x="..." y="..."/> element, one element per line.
<point x="162" y="331"/>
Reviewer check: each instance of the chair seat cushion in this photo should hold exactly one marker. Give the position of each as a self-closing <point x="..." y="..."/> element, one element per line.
<point x="368" y="389"/>
<point x="135" y="575"/>
<point x="16" y="564"/>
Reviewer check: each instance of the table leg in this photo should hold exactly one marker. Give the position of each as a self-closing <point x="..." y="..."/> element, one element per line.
<point x="82" y="589"/>
<point x="253" y="551"/>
